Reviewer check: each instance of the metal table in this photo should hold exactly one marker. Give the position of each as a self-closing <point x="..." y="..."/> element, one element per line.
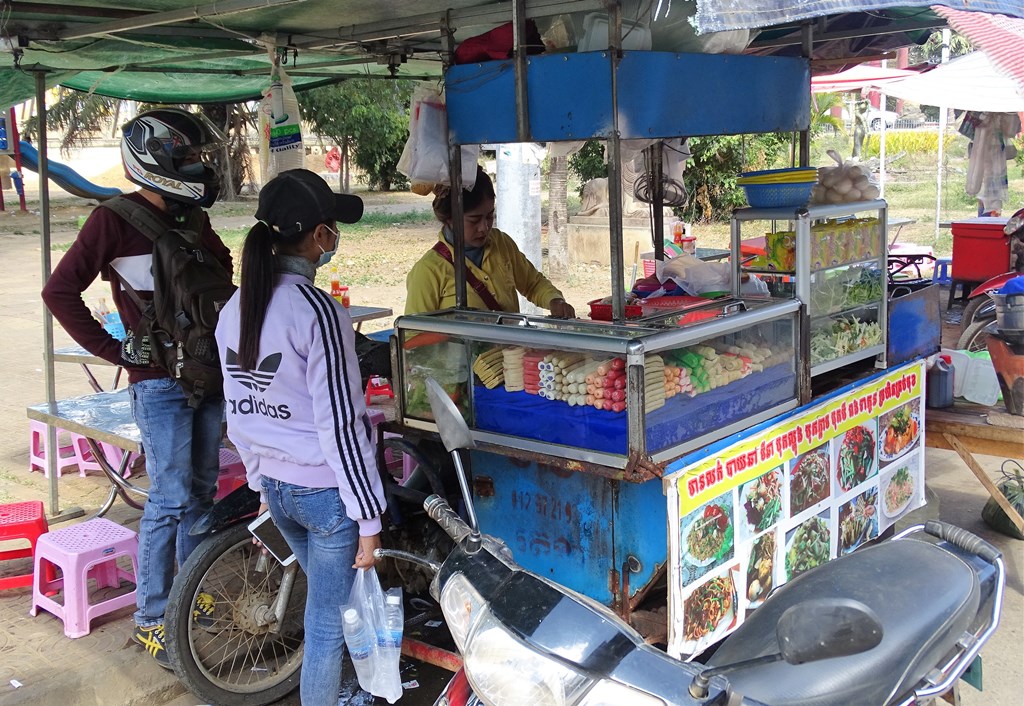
<point x="106" y="417"/>
<point x="360" y="314"/>
<point x="77" y="354"/>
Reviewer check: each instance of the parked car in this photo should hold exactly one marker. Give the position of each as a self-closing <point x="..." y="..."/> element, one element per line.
<point x="874" y="118"/>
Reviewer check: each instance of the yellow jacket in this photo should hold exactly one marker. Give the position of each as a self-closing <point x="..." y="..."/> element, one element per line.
<point x="430" y="285"/>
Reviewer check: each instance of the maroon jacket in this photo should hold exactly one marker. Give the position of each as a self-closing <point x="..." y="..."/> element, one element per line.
<point x="107" y="241"/>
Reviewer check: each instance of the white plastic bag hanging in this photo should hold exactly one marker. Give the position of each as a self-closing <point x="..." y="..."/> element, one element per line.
<point x="281" y="145"/>
<point x="373" y="633"/>
<point x="425" y="156"/>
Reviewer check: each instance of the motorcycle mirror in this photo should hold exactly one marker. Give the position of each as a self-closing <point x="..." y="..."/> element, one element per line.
<point x="455" y="435"/>
<point x="450" y="424"/>
<point x="822" y="628"/>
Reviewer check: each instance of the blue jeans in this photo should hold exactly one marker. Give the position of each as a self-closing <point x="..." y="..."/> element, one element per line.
<point x="182" y="460"/>
<point x="325" y="541"/>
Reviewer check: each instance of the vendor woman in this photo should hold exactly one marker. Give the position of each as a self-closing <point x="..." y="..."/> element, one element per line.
<point x="496" y="270"/>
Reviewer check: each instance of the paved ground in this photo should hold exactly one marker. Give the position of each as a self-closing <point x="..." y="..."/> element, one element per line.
<point x="106" y="668"/>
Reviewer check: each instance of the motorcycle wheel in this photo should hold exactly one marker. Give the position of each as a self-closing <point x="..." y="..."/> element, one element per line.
<point x="234" y="659"/>
<point x="975" y="338"/>
<point x="969" y="311"/>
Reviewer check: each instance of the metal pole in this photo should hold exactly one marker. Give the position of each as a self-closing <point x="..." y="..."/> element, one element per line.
<point x="615" y="167"/>
<point x="44" y="247"/>
<point x="942" y="133"/>
<point x="658" y="199"/>
<point x="519" y="57"/>
<point x="807" y="50"/>
<point x="455" y="183"/>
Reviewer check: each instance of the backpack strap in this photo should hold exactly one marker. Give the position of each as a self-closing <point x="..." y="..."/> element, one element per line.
<point x="479" y="287"/>
<point x="147" y="223"/>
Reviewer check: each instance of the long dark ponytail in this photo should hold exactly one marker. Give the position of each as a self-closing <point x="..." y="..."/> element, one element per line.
<point x="256" y="287"/>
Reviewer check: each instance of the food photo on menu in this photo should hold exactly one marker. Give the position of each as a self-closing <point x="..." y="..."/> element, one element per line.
<point x="761" y="568"/>
<point x="809" y="479"/>
<point x="809" y="544"/>
<point x="900" y="489"/>
<point x="855" y="457"/>
<point x="707" y="537"/>
<point x="899" y="431"/>
<point x="858" y="521"/>
<point x="710" y="609"/>
<point x="761" y="504"/>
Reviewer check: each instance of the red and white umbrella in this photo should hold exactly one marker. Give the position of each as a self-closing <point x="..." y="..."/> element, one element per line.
<point x="1001" y="38"/>
<point x="856" y="78"/>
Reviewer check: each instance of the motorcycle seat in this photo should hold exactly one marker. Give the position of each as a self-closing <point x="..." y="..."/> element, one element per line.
<point x="925" y="597"/>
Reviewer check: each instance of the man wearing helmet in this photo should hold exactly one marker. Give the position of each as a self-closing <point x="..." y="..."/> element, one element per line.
<point x="162" y="152"/>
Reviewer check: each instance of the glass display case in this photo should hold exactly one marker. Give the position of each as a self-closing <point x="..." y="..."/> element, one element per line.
<point x="833" y="259"/>
<point x="604" y="393"/>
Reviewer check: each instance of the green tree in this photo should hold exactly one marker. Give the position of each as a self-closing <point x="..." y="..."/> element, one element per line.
<point x="821" y="113"/>
<point x="370" y="115"/>
<point x="717" y="162"/>
<point x="589" y="162"/>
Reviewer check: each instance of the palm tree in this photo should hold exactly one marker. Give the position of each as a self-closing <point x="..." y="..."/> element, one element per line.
<point x="821" y="113"/>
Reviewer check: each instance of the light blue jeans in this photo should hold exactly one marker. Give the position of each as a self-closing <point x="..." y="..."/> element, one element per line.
<point x="182" y="448"/>
<point x="325" y="541"/>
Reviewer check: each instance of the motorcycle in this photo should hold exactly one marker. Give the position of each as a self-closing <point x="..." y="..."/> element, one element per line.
<point x="858" y="629"/>
<point x="980" y="310"/>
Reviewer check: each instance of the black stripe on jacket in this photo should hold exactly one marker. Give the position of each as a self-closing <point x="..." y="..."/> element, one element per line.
<point x="323" y="306"/>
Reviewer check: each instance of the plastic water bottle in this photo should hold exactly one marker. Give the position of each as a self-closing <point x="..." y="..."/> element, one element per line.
<point x="359" y="647"/>
<point x="393" y="619"/>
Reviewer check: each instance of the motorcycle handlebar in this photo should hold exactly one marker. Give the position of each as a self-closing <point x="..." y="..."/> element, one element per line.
<point x="962" y="538"/>
<point x="439" y="511"/>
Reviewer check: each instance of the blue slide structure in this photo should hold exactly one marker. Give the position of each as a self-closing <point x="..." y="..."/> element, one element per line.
<point x="65" y="177"/>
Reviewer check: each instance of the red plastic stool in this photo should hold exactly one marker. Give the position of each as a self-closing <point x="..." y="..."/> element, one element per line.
<point x="232" y="474"/>
<point x="24" y="521"/>
<point x="378" y="386"/>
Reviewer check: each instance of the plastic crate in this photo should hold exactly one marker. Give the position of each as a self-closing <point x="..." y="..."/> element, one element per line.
<point x="603" y="312"/>
<point x="779" y="195"/>
<point x="980" y="249"/>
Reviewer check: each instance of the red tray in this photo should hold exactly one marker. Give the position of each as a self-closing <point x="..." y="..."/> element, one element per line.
<point x="603" y="312"/>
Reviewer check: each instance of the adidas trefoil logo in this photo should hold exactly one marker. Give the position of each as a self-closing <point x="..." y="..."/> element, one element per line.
<point x="257" y="380"/>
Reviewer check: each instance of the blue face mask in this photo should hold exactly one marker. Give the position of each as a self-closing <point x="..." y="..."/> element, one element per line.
<point x="193" y="170"/>
<point x="326" y="255"/>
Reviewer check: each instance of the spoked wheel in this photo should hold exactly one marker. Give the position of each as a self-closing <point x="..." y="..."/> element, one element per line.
<point x="975" y="338"/>
<point x="236" y="655"/>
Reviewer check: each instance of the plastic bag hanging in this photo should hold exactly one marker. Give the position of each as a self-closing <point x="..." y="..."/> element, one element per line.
<point x="281" y="145"/>
<point x="425" y="156"/>
<point x="373" y="635"/>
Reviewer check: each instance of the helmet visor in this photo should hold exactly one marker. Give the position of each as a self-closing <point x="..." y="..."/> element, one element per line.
<point x="209" y="139"/>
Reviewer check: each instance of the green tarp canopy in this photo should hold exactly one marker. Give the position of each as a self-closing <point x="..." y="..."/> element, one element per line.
<point x="175" y="51"/>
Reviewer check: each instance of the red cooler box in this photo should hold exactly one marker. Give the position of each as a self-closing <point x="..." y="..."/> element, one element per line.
<point x="980" y="249"/>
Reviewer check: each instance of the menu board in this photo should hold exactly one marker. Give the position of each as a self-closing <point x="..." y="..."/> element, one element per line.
<point x="787" y="496"/>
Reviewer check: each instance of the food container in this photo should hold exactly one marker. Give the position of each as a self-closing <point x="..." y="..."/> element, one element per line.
<point x="980" y="249"/>
<point x="599" y="311"/>
<point x="1009" y="311"/>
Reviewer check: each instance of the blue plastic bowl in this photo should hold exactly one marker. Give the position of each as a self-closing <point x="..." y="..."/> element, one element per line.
<point x="779" y="195"/>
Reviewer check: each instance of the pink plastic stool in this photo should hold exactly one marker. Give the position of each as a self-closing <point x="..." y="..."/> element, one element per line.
<point x="21" y="521"/>
<point x="87" y="463"/>
<point x="83" y="551"/>
<point x="232" y="474"/>
<point x="37" y="444"/>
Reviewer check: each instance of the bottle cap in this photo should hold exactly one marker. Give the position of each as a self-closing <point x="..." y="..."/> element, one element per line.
<point x="351" y="616"/>
<point x="393" y="599"/>
<point x="946" y="357"/>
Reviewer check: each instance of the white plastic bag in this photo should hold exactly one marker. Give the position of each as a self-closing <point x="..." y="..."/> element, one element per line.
<point x="281" y="145"/>
<point x="373" y="643"/>
<point x="425" y="155"/>
<point x="846" y="182"/>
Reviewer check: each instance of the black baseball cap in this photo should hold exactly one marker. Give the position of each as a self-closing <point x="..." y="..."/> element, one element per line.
<point x="298" y="200"/>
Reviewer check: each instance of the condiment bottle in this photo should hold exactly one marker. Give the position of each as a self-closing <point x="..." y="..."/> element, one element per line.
<point x="336" y="288"/>
<point x="344" y="297"/>
<point x="677" y="232"/>
<point x="939" y="383"/>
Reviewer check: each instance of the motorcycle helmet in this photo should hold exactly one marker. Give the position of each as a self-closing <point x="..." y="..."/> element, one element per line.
<point x="155" y="147"/>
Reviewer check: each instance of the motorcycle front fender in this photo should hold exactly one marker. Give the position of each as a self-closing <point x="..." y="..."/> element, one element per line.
<point x="237" y="505"/>
<point x="993" y="284"/>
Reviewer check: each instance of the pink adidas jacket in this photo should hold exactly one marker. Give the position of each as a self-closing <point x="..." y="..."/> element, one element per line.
<point x="300" y="416"/>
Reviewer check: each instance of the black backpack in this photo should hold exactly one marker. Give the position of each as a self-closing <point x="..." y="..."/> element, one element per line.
<point x="190" y="287"/>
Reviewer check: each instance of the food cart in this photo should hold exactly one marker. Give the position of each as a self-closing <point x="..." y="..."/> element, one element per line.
<point x="619" y="458"/>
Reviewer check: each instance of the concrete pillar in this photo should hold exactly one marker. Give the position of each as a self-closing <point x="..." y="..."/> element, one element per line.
<point x="518" y="202"/>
